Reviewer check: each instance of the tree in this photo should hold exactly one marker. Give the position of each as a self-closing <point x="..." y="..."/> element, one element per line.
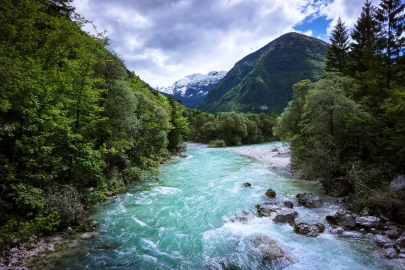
<point x="335" y="56"/>
<point x="364" y="44"/>
<point x="391" y="16"/>
<point x="179" y="126"/>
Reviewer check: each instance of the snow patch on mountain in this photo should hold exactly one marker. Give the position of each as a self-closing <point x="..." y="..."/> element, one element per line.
<point x="192" y="89"/>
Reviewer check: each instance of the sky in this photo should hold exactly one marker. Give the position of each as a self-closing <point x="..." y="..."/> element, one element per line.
<point x="163" y="41"/>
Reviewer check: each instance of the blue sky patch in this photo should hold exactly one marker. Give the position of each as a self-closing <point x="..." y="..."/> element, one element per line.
<point x="318" y="27"/>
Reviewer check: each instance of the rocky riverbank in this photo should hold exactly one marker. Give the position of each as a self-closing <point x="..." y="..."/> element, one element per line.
<point x="387" y="235"/>
<point x="45" y="250"/>
<point x="278" y="157"/>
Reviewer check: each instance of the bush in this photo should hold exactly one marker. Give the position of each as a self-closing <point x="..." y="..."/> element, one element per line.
<point x="217" y="143"/>
<point x="65" y="201"/>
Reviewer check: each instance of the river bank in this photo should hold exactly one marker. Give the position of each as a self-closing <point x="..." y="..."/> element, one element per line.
<point x="392" y="235"/>
<point x="196" y="219"/>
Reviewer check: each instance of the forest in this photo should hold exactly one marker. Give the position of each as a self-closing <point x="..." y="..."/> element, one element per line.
<point x="75" y="124"/>
<point x="230" y="128"/>
<point x="348" y="129"/>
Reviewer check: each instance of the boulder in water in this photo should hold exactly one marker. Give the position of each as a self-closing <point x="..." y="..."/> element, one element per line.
<point x="266" y="209"/>
<point x="269" y="250"/>
<point x="336" y="230"/>
<point x="389" y="253"/>
<point x="288" y="204"/>
<point x="247" y="185"/>
<point x="286" y="215"/>
<point x="244" y="217"/>
<point x="309" y="229"/>
<point x="309" y="200"/>
<point x="342" y="218"/>
<point x="368" y="222"/>
<point x="271" y="193"/>
<point x="381" y="240"/>
<point x="220" y="264"/>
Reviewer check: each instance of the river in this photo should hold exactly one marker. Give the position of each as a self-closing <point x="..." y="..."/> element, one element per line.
<point x="187" y="221"/>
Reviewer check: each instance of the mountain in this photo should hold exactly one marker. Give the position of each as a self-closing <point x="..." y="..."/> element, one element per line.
<point x="193" y="88"/>
<point x="263" y="80"/>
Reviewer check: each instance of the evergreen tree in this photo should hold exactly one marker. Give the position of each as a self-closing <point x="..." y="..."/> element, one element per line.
<point x="335" y="57"/>
<point x="391" y="16"/>
<point x="364" y="36"/>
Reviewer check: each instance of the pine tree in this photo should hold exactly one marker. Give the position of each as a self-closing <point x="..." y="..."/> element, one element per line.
<point x="392" y="18"/>
<point x="335" y="57"/>
<point x="364" y="36"/>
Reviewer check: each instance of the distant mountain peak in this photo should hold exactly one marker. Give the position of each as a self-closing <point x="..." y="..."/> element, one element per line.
<point x="262" y="81"/>
<point x="191" y="89"/>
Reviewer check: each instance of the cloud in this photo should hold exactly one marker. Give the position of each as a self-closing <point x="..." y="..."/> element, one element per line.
<point x="165" y="40"/>
<point x="348" y="10"/>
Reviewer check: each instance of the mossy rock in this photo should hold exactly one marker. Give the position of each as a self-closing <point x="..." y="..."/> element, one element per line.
<point x="271" y="193"/>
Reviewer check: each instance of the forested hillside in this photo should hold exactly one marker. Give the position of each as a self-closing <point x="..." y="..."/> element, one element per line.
<point x="230" y="129"/>
<point x="75" y="124"/>
<point x="349" y="127"/>
<point x="263" y="80"/>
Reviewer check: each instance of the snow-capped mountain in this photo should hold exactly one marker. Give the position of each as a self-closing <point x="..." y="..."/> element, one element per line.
<point x="193" y="88"/>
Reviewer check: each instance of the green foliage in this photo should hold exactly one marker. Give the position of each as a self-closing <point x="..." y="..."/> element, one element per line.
<point x="352" y="128"/>
<point x="21" y="231"/>
<point x="266" y="76"/>
<point x="65" y="201"/>
<point x="336" y="54"/>
<point x="230" y="129"/>
<point x="72" y="118"/>
<point x="217" y="143"/>
<point x="178" y="126"/>
<point x="315" y="124"/>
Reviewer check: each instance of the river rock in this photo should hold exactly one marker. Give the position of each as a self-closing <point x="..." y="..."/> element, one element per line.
<point x="286" y="215"/>
<point x="381" y="240"/>
<point x="389" y="253"/>
<point x="393" y="232"/>
<point x="266" y="209"/>
<point x="369" y="222"/>
<point x="309" y="229"/>
<point x="269" y="250"/>
<point x="365" y="212"/>
<point x="220" y="264"/>
<point x="271" y="193"/>
<point x="398" y="184"/>
<point x="309" y="200"/>
<point x="247" y="185"/>
<point x="244" y="217"/>
<point x="288" y="204"/>
<point x="342" y="218"/>
<point x="336" y="230"/>
<point x="400" y="242"/>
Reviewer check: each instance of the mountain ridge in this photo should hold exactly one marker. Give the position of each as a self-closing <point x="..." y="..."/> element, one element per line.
<point x="191" y="89"/>
<point x="263" y="80"/>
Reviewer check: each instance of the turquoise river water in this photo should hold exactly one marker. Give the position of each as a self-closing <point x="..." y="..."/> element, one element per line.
<point x="187" y="221"/>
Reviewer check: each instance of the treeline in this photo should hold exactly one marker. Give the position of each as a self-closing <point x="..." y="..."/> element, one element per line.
<point x="349" y="127"/>
<point x="75" y="124"/>
<point x="230" y="129"/>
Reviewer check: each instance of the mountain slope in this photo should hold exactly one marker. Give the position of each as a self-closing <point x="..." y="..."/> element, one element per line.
<point x="193" y="88"/>
<point x="263" y="80"/>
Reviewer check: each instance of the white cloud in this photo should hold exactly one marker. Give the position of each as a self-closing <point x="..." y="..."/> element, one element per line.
<point x="165" y="40"/>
